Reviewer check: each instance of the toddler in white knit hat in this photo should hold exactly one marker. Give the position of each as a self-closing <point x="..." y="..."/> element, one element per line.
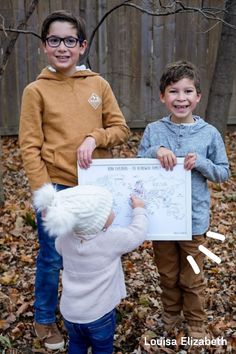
<point x="93" y="278"/>
<point x="83" y="209"/>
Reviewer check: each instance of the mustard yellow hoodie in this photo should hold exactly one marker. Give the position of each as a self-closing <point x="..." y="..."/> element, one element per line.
<point x="57" y="114"/>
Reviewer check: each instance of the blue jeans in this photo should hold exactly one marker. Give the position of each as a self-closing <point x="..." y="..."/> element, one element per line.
<point x="48" y="266"/>
<point x="98" y="335"/>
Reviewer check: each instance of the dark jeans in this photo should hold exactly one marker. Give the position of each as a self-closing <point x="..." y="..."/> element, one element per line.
<point x="48" y="266"/>
<point x="98" y="335"/>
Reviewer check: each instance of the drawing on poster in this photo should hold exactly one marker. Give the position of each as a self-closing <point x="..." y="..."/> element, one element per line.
<point x="167" y="194"/>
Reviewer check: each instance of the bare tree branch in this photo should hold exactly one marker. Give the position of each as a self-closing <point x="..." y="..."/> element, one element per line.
<point x="14" y="37"/>
<point x="6" y="29"/>
<point x="209" y="14"/>
<point x="210" y="28"/>
<point x="3" y="25"/>
<point x="97" y="27"/>
<point x="174" y="7"/>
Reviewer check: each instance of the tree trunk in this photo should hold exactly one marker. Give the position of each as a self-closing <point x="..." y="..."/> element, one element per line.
<point x="1" y="173"/>
<point x="222" y="83"/>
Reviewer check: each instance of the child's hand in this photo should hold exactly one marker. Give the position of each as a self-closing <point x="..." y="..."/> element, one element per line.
<point x="136" y="202"/>
<point x="189" y="161"/>
<point x="167" y="158"/>
<point x="85" y="151"/>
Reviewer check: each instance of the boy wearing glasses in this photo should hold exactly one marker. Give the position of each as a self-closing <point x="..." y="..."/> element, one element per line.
<point x="68" y="114"/>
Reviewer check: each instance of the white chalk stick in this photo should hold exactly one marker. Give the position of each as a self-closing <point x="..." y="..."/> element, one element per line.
<point x="193" y="264"/>
<point x="215" y="235"/>
<point x="209" y="254"/>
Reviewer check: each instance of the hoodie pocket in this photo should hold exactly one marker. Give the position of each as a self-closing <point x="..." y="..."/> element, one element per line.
<point x="66" y="160"/>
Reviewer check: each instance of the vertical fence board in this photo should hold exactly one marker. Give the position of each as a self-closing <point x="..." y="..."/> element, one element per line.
<point x="232" y="110"/>
<point x="163" y="53"/>
<point x="55" y="5"/>
<point x="120" y="72"/>
<point x="9" y="85"/>
<point x="89" y="12"/>
<point x="130" y="50"/>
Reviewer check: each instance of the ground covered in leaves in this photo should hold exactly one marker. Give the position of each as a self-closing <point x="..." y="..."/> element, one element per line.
<point x="139" y="314"/>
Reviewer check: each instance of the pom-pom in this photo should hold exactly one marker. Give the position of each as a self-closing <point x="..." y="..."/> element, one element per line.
<point x="44" y="196"/>
<point x="59" y="221"/>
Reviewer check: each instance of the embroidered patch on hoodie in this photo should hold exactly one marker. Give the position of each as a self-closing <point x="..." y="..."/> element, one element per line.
<point x="94" y="100"/>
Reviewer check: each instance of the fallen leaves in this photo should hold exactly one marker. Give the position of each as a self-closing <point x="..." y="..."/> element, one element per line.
<point x="139" y="315"/>
<point x="9" y="278"/>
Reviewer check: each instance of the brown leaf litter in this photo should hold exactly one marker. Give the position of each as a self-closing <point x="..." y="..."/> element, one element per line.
<point x="139" y="315"/>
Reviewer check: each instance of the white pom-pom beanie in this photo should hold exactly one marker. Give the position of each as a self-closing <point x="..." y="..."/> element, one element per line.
<point x="80" y="209"/>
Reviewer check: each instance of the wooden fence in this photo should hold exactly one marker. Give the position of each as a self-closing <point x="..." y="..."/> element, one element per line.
<point x="130" y="50"/>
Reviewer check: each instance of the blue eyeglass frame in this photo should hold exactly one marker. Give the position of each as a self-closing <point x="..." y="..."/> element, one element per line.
<point x="78" y="39"/>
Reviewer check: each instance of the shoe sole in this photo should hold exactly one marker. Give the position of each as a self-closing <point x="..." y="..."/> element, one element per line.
<point x="51" y="346"/>
<point x="54" y="346"/>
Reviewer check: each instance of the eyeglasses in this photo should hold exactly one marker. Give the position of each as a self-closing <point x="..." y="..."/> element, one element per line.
<point x="69" y="42"/>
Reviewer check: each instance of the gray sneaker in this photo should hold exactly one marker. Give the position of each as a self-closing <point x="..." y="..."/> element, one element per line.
<point x="50" y="335"/>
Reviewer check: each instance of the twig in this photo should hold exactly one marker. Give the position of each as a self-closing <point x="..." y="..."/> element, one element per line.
<point x="19" y="31"/>
<point x="13" y="40"/>
<point x="209" y="13"/>
<point x="3" y="25"/>
<point x="86" y="56"/>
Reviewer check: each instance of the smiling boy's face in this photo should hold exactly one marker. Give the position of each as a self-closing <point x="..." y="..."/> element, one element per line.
<point x="62" y="58"/>
<point x="181" y="98"/>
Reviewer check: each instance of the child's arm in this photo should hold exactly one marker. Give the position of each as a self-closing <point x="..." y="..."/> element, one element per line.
<point x="166" y="157"/>
<point x="189" y="161"/>
<point x="127" y="239"/>
<point x="147" y="148"/>
<point x="136" y="202"/>
<point x="31" y="138"/>
<point x="85" y="151"/>
<point x="214" y="166"/>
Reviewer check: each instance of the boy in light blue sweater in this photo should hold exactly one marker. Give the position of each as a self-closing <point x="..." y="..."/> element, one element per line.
<point x="183" y="134"/>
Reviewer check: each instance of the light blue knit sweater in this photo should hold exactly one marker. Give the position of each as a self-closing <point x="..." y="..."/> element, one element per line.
<point x="211" y="164"/>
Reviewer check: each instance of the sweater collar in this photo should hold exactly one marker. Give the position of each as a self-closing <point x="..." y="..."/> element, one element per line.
<point x="78" y="68"/>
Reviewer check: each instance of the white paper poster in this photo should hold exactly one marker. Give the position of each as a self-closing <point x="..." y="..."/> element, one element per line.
<point x="167" y="194"/>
